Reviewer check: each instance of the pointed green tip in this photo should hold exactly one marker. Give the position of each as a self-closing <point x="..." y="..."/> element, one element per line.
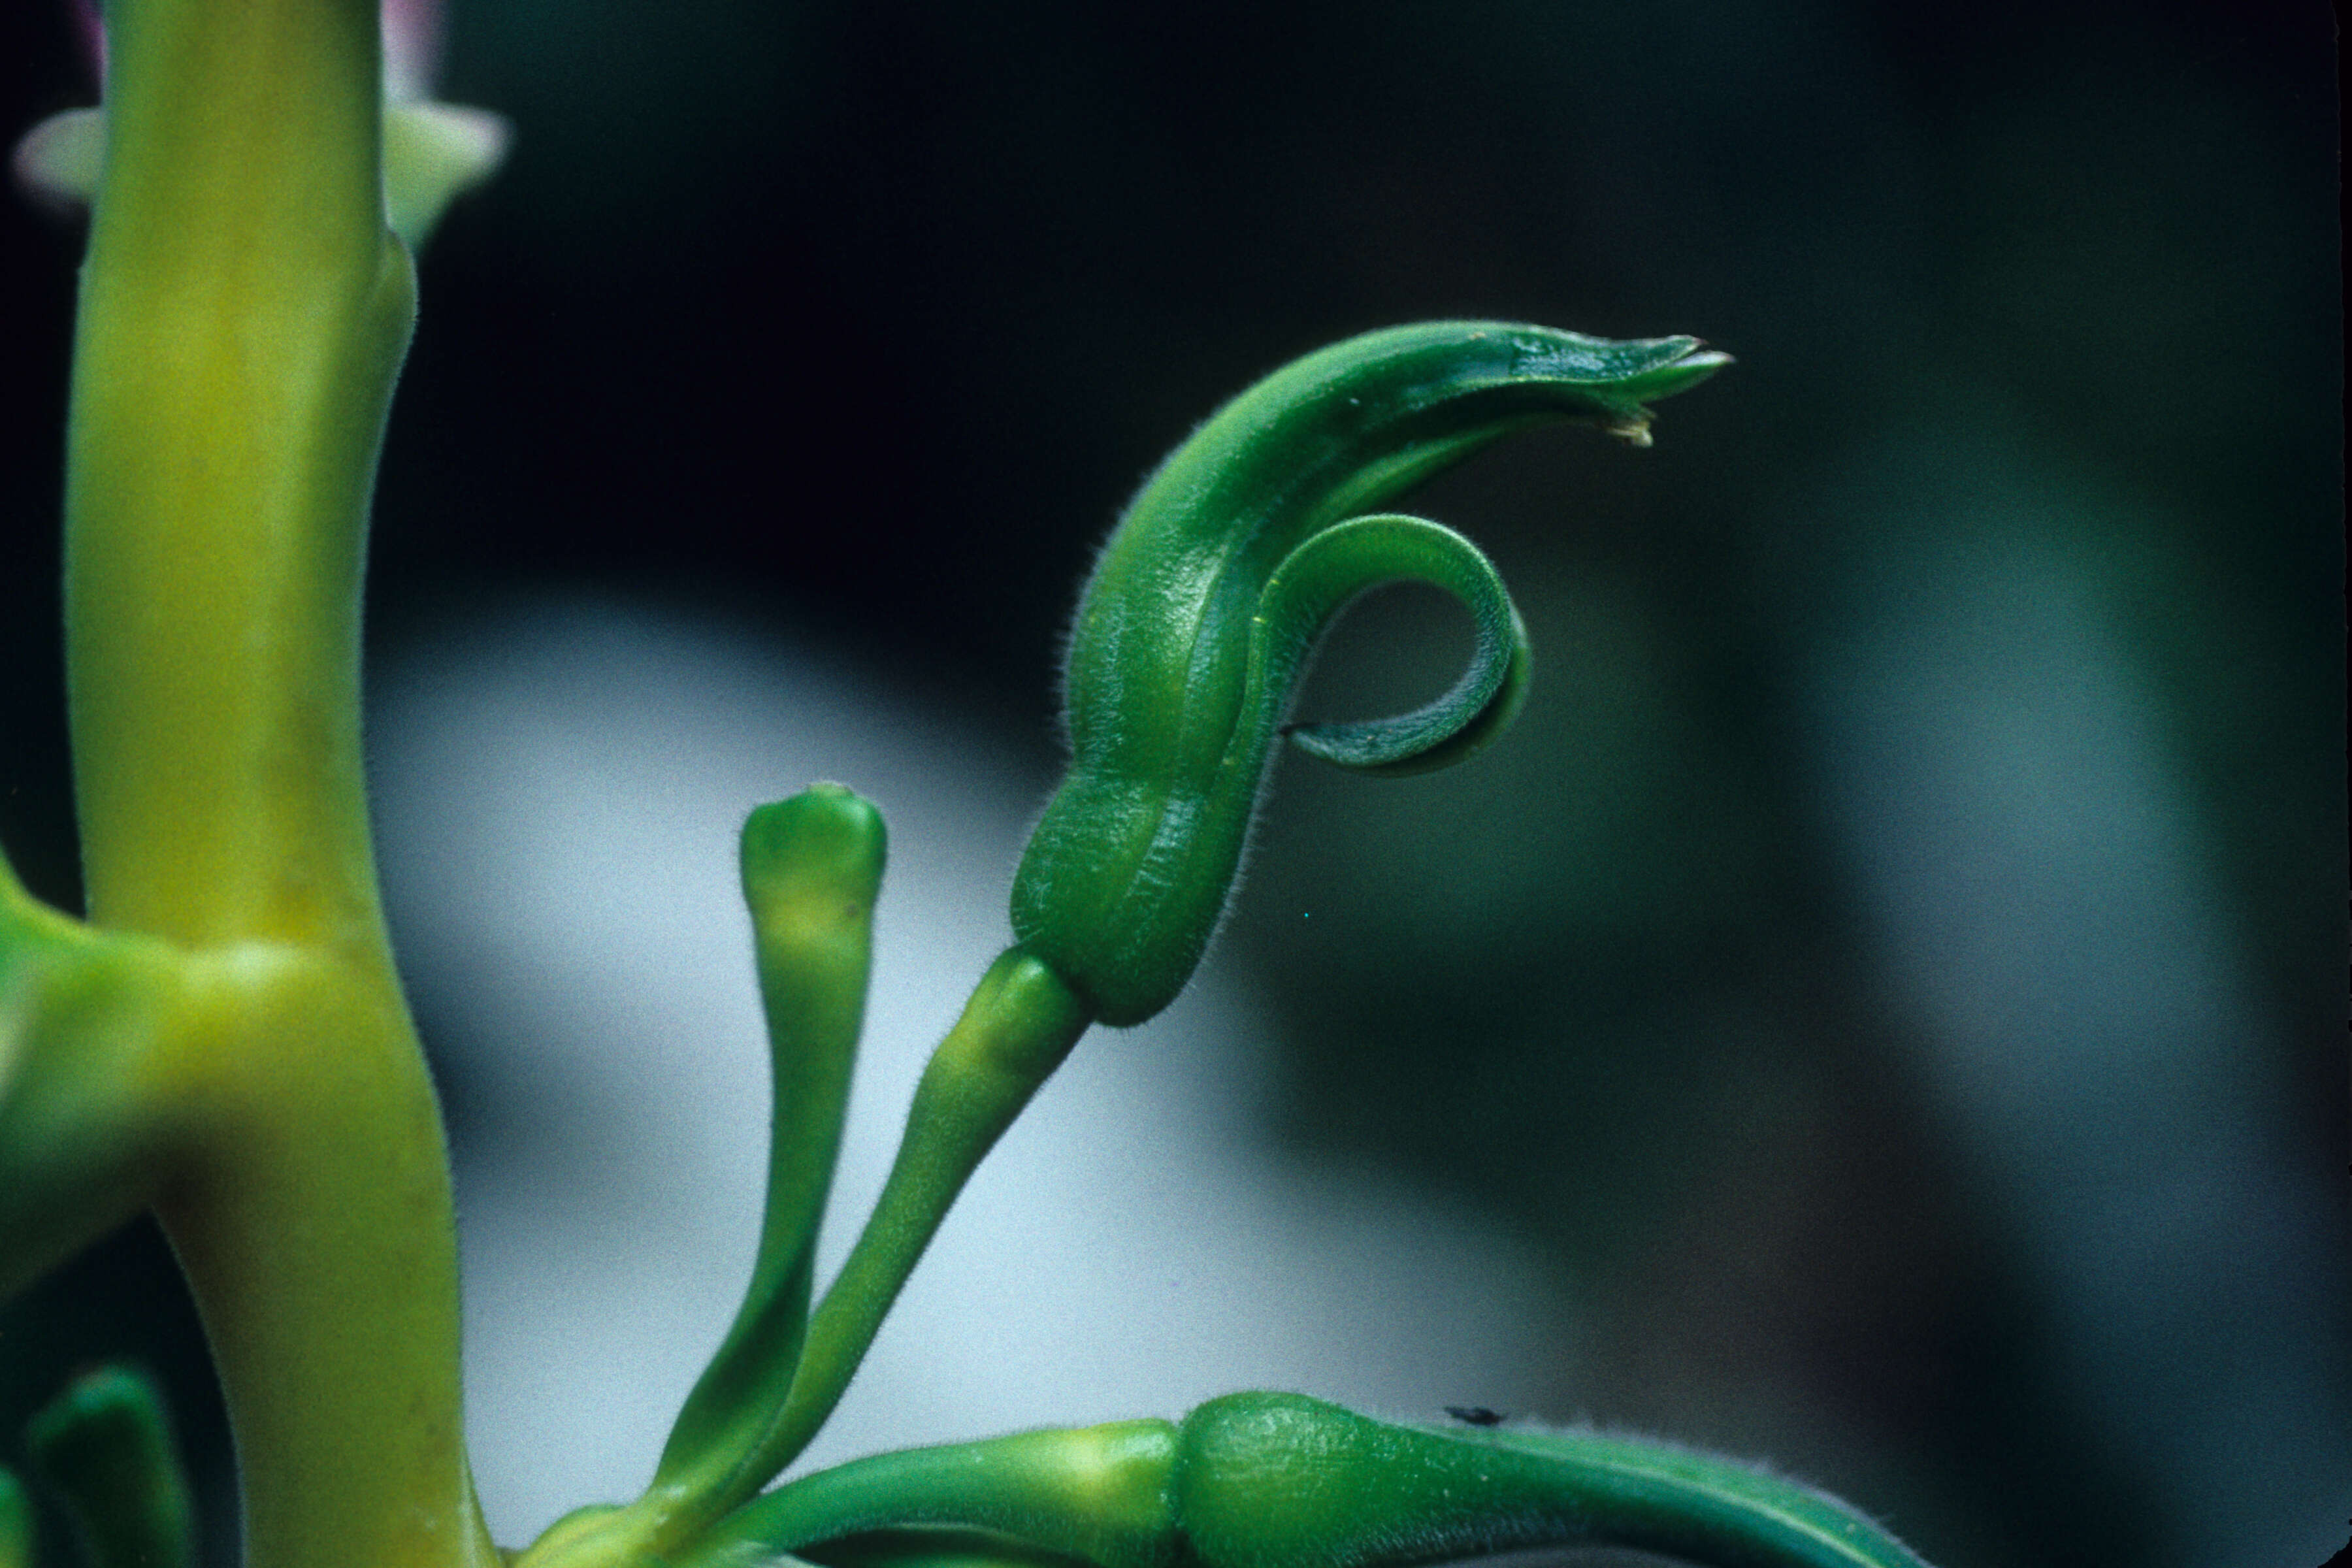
<point x="1691" y="364"/>
<point x="1677" y="374"/>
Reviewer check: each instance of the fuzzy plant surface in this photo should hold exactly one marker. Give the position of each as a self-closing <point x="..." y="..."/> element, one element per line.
<point x="221" y="1040"/>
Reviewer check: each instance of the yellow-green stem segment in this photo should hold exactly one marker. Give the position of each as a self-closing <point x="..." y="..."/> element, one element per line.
<point x="243" y="314"/>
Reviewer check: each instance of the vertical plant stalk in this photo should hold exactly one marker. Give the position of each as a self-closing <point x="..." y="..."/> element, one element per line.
<point x="812" y="872"/>
<point x="243" y="315"/>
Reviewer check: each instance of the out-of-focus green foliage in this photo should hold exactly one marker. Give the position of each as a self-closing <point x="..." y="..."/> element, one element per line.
<point x="105" y="1444"/>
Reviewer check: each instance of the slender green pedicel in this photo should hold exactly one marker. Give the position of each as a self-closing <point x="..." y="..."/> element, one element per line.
<point x="742" y="1427"/>
<point x="812" y="871"/>
<point x="1226" y="566"/>
<point x="1101" y="1496"/>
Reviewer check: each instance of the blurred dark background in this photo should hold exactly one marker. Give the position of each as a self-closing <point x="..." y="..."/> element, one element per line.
<point x="1939" y="743"/>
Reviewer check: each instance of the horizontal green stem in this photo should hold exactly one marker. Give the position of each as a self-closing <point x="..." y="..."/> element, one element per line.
<point x="1280" y="1481"/>
<point x="1098" y="1494"/>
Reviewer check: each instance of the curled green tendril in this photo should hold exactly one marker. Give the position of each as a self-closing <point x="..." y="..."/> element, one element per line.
<point x="1316" y="581"/>
<point x="1228" y="564"/>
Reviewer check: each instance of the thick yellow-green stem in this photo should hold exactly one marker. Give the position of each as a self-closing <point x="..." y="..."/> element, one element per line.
<point x="244" y="310"/>
<point x="243" y="314"/>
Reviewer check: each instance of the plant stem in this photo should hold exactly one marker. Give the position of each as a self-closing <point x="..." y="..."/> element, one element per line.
<point x="241" y="319"/>
<point x="812" y="870"/>
<point x="243" y="315"/>
<point x="1020" y="1024"/>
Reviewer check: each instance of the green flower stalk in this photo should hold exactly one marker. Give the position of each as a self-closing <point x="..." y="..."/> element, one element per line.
<point x="223" y="1041"/>
<point x="1278" y="1480"/>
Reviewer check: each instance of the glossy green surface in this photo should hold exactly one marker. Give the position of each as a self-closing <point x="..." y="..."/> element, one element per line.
<point x="1282" y="1481"/>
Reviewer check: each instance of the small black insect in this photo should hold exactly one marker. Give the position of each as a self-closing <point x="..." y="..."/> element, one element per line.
<point x="1475" y="1416"/>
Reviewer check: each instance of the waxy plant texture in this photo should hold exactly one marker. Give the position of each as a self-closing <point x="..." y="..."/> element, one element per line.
<point x="222" y="1040"/>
